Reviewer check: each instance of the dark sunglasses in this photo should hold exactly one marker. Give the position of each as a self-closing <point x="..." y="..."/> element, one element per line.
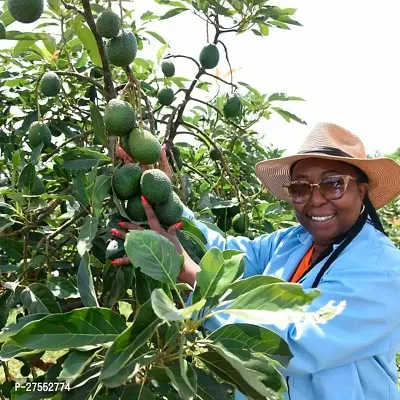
<point x="332" y="188"/>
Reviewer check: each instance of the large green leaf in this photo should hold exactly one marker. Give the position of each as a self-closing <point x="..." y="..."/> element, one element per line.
<point x="12" y="349"/>
<point x="12" y="329"/>
<point x="87" y="234"/>
<point x="89" y="42"/>
<point x="27" y="178"/>
<point x="101" y="190"/>
<point x="137" y="392"/>
<point x="116" y="281"/>
<point x="185" y="385"/>
<point x="154" y="254"/>
<point x="144" y="286"/>
<point x="85" y="282"/>
<point x="165" y="308"/>
<point x="62" y="287"/>
<point x="75" y="364"/>
<point x="98" y="124"/>
<point x="208" y="388"/>
<point x="81" y="158"/>
<point x="218" y="272"/>
<point x="130" y="341"/>
<point x="4" y="308"/>
<point x="82" y="327"/>
<point x="37" y="298"/>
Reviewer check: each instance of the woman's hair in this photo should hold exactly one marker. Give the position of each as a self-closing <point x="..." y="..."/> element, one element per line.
<point x="369" y="214"/>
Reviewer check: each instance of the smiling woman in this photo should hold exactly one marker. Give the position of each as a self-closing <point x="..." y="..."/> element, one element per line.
<point x="340" y="247"/>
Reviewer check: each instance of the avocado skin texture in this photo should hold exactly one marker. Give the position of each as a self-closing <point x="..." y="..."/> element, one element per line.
<point x="155" y="186"/>
<point x="134" y="209"/>
<point x="50" y="84"/>
<point x="170" y="212"/>
<point x="166" y="96"/>
<point x="233" y="106"/>
<point x="119" y="117"/>
<point x="122" y="49"/>
<point x="209" y="56"/>
<point x="25" y="11"/>
<point x="144" y="146"/>
<point x="3" y="32"/>
<point x="168" y="68"/>
<point x="126" y="181"/>
<point x="38" y="133"/>
<point x="240" y="223"/>
<point x="108" y="24"/>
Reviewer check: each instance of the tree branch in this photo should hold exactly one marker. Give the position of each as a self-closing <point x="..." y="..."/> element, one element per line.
<point x="71" y="7"/>
<point x="108" y="81"/>
<point x="81" y="77"/>
<point x="182" y="56"/>
<point x="222" y="80"/>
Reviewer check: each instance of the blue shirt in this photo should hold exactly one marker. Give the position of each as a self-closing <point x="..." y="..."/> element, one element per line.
<point x="353" y="355"/>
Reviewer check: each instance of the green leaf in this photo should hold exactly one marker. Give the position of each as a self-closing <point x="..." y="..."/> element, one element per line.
<point x="165" y="308"/>
<point x="78" y="328"/>
<point x="287" y="116"/>
<point x="61" y="287"/>
<point x="208" y="388"/>
<point x="13" y="248"/>
<point x="81" y="158"/>
<point x="85" y="282"/>
<point x="75" y="364"/>
<point x="11" y="350"/>
<point x="37" y="298"/>
<point x="144" y="286"/>
<point x="130" y="341"/>
<point x="137" y="392"/>
<point x="87" y="234"/>
<point x="54" y="5"/>
<point x="101" y="190"/>
<point x="116" y="282"/>
<point x="89" y="42"/>
<point x="157" y="36"/>
<point x="98" y="124"/>
<point x="4" y="307"/>
<point x="217" y="273"/>
<point x="16" y="35"/>
<point x="12" y="329"/>
<point x="27" y="178"/>
<point x="173" y="12"/>
<point x="245" y="285"/>
<point x="283" y="97"/>
<point x="174" y="372"/>
<point x="154" y="254"/>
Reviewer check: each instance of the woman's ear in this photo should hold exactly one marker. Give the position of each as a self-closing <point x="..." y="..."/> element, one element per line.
<point x="362" y="189"/>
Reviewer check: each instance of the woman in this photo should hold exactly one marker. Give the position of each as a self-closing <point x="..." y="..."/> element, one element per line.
<point x="341" y="248"/>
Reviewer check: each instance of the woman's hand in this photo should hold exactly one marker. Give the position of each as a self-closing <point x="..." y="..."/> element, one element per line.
<point x="190" y="268"/>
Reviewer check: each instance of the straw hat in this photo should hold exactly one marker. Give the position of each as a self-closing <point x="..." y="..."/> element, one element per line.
<point x="332" y="142"/>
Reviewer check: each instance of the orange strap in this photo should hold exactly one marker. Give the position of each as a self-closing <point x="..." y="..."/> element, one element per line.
<point x="303" y="265"/>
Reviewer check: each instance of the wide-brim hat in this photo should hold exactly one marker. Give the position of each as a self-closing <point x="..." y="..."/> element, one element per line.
<point x="332" y="142"/>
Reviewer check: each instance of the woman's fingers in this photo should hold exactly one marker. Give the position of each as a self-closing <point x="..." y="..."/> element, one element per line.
<point x="118" y="234"/>
<point x="173" y="228"/>
<point x="152" y="220"/>
<point x="130" y="225"/>
<point x="123" y="155"/>
<point x="121" y="261"/>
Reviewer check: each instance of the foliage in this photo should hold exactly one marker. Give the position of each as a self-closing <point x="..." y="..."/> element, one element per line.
<point x="130" y="332"/>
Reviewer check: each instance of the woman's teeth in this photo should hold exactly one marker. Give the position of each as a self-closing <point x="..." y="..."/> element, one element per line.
<point x="322" y="218"/>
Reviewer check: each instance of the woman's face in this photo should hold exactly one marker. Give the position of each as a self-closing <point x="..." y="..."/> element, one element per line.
<point x="344" y="211"/>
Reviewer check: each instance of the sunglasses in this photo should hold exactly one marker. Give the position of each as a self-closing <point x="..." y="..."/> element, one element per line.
<point x="332" y="188"/>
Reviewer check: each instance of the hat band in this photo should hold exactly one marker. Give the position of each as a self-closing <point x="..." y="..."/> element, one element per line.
<point x="330" y="151"/>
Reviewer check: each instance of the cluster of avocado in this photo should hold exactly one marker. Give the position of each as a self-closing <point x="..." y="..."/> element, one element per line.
<point x="231" y="218"/>
<point x="130" y="183"/>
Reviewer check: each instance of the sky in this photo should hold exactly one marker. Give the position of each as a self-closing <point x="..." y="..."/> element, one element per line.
<point x="343" y="62"/>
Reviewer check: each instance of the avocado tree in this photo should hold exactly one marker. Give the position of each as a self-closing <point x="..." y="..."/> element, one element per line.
<point x="77" y="102"/>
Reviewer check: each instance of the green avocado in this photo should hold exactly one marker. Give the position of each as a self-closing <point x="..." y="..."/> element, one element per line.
<point x="168" y="68"/>
<point x="108" y="24"/>
<point x="155" y="186"/>
<point x="166" y="96"/>
<point x="134" y="209"/>
<point x="209" y="56"/>
<point x="121" y="50"/>
<point x="144" y="146"/>
<point x="240" y="223"/>
<point x="170" y="212"/>
<point x="119" y="117"/>
<point x="233" y="106"/>
<point x="39" y="133"/>
<point x="3" y="32"/>
<point x="126" y="181"/>
<point x="25" y="11"/>
<point x="50" y="84"/>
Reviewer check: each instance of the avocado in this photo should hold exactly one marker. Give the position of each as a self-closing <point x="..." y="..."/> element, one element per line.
<point x="50" y="84"/>
<point x="25" y="370"/>
<point x="214" y="154"/>
<point x="126" y="181"/>
<point x="144" y="146"/>
<point x="3" y="33"/>
<point x="168" y="68"/>
<point x="166" y="96"/>
<point x="170" y="212"/>
<point x="108" y="24"/>
<point x="209" y="56"/>
<point x="115" y="249"/>
<point x="38" y="133"/>
<point x="232" y="106"/>
<point x="25" y="11"/>
<point x="121" y="50"/>
<point x="155" y="186"/>
<point x="96" y="73"/>
<point x="119" y="117"/>
<point x="134" y="209"/>
<point x="240" y="223"/>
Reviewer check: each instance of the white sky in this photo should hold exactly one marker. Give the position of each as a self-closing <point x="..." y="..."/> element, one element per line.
<point x="343" y="62"/>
